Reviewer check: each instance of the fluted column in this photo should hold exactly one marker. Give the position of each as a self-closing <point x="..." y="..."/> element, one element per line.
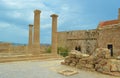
<point x="54" y="33"/>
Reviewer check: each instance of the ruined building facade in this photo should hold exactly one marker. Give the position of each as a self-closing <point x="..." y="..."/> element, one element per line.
<point x="107" y="35"/>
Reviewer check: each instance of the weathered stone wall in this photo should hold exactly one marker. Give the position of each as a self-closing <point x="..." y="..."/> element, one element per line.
<point x="19" y="50"/>
<point x="62" y="39"/>
<point x="89" y="40"/>
<point x="83" y="39"/>
<point x="4" y="47"/>
<point x="110" y="36"/>
<point x="7" y="49"/>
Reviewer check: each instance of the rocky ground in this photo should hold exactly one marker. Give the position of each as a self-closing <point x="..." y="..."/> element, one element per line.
<point x="43" y="69"/>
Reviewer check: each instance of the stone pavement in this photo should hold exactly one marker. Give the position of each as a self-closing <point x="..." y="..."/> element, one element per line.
<point x="42" y="69"/>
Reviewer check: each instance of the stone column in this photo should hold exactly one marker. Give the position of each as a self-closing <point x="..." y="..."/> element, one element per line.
<point x="54" y="33"/>
<point x="30" y="35"/>
<point x="30" y="40"/>
<point x="36" y="40"/>
<point x="119" y="15"/>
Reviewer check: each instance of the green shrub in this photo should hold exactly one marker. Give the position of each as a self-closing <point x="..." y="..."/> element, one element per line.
<point x="63" y="51"/>
<point x="60" y="50"/>
<point x="48" y="50"/>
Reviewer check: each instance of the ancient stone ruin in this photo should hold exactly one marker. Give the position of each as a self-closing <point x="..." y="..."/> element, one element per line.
<point x="33" y="50"/>
<point x="100" y="61"/>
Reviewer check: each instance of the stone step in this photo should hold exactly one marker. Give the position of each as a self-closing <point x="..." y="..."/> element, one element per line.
<point x="25" y="58"/>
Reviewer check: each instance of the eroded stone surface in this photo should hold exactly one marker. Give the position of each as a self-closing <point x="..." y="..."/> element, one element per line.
<point x="100" y="61"/>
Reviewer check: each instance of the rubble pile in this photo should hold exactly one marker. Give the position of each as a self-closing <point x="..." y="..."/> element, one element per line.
<point x="100" y="61"/>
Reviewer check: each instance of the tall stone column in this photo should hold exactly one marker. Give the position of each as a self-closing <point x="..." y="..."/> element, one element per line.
<point x="30" y="35"/>
<point x="119" y="15"/>
<point x="54" y="33"/>
<point x="30" y="40"/>
<point x="36" y="40"/>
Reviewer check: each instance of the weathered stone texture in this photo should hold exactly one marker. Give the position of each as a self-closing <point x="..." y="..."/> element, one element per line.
<point x="86" y="40"/>
<point x="54" y="33"/>
<point x="110" y="36"/>
<point x="100" y="61"/>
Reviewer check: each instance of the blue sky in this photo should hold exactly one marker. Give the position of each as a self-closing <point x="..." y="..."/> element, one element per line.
<point x="16" y="15"/>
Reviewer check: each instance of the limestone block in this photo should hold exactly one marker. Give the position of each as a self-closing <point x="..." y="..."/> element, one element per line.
<point x="68" y="61"/>
<point x="72" y="54"/>
<point x="102" y="53"/>
<point x="79" y="55"/>
<point x="82" y="61"/>
<point x="118" y="58"/>
<point x="106" y="68"/>
<point x="114" y="68"/>
<point x="118" y="67"/>
<point x="89" y="66"/>
<point x="72" y="64"/>
<point x="85" y="55"/>
<point x="115" y="65"/>
<point x="103" y="62"/>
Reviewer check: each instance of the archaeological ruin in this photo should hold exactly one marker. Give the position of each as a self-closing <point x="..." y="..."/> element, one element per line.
<point x="107" y="35"/>
<point x="94" y="50"/>
<point x="33" y="50"/>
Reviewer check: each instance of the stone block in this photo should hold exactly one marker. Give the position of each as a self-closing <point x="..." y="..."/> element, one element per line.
<point x="114" y="68"/>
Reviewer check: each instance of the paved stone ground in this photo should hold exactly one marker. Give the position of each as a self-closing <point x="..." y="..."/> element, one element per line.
<point x="43" y="69"/>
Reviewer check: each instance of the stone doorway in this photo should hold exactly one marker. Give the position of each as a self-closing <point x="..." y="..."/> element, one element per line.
<point x="110" y="47"/>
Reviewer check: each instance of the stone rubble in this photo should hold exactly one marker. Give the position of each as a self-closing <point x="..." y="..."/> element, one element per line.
<point x="100" y="61"/>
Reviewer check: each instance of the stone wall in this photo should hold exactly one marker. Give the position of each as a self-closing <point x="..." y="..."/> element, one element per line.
<point x="89" y="40"/>
<point x="110" y="36"/>
<point x="62" y="39"/>
<point x="7" y="49"/>
<point x="85" y="40"/>
<point x="4" y="47"/>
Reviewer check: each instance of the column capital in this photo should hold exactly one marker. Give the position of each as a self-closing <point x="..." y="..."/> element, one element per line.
<point x="30" y="25"/>
<point x="37" y="11"/>
<point x="54" y="15"/>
